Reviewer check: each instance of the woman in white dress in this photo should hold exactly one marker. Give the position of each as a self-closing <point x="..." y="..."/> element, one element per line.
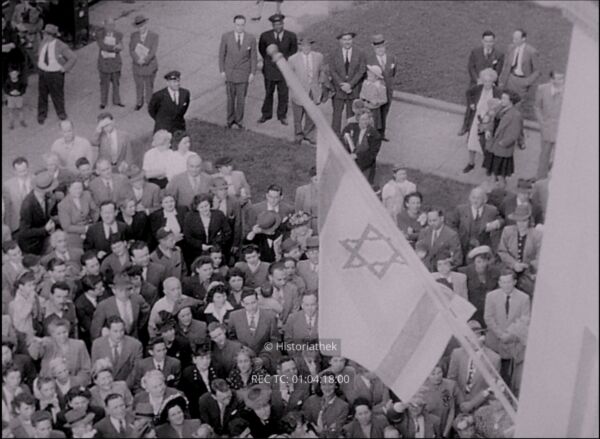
<point x="477" y="105"/>
<point x="180" y="143"/>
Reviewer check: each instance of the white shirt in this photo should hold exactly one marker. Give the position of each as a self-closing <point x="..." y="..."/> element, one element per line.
<point x="24" y="186"/>
<point x="310" y="321"/>
<point x="118" y="424"/>
<point x="476" y="212"/>
<point x="112" y="136"/>
<point x="308" y="64"/>
<point x="157" y="160"/>
<point x="519" y="60"/>
<point x="361" y="135"/>
<point x="421" y="423"/>
<point x="172" y="222"/>
<point x="273" y="208"/>
<point x="347" y="54"/>
<point x="125" y="310"/>
<point x="53" y="64"/>
<point x="159" y="366"/>
<point x="239" y="38"/>
<point x="92" y="300"/>
<point x="138" y="193"/>
<point x="174" y="95"/>
<point x="382" y="60"/>
<point x="248" y="315"/>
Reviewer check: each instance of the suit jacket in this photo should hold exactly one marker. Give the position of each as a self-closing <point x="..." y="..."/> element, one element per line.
<point x="467" y="228"/>
<point x="174" y="266"/>
<point x="85" y="313"/>
<point x="157" y="220"/>
<point x="64" y="55"/>
<point x="237" y="63"/>
<point x="151" y="197"/>
<point x="547" y="109"/>
<point x="296" y="328"/>
<point x="389" y="70"/>
<point x="155" y="275"/>
<point x="291" y="299"/>
<point x="299" y="394"/>
<point x="108" y="431"/>
<point x="113" y="264"/>
<point x="109" y="55"/>
<point x="96" y="240"/>
<point x="459" y="283"/>
<point x="139" y="228"/>
<point x="509" y="204"/>
<point x="255" y="210"/>
<point x="234" y="218"/>
<point x="181" y="188"/>
<point x="287" y="47"/>
<point x="478" y="62"/>
<point x="508" y="248"/>
<point x="529" y="64"/>
<point x="219" y="231"/>
<point x="256" y="279"/>
<point x="358" y="389"/>
<point x="238" y="182"/>
<point x="333" y="417"/>
<point x="211" y="414"/>
<point x="508" y="133"/>
<point x="447" y="240"/>
<point x="100" y="193"/>
<point x="131" y="354"/>
<point x="310" y="277"/>
<point x="171" y="371"/>
<point x="477" y="290"/>
<point x="32" y="233"/>
<point x="266" y="329"/>
<point x="307" y="200"/>
<point x="406" y="426"/>
<point x="108" y="308"/>
<point x="223" y="360"/>
<point x="313" y="83"/>
<point x="378" y="424"/>
<point x="150" y="64"/>
<point x="11" y="191"/>
<point x="355" y="75"/>
<point x="473" y="96"/>
<point x="458" y="371"/>
<point x="366" y="151"/>
<point x="73" y="264"/>
<point x="497" y="321"/>
<point x="166" y="113"/>
<point x="73" y="220"/>
<point x="188" y="429"/>
<point x="194" y="386"/>
<point x="124" y="152"/>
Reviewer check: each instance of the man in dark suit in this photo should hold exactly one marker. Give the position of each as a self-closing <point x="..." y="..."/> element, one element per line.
<point x="196" y="379"/>
<point x="86" y="304"/>
<point x="522" y="196"/>
<point x="219" y="407"/>
<point x="347" y="67"/>
<point x="38" y="215"/>
<point x="230" y="206"/>
<point x="363" y="142"/>
<point x="110" y="42"/>
<point x="388" y="64"/>
<point x="476" y="222"/>
<point x="438" y="237"/>
<point x="143" y="45"/>
<point x="116" y="423"/>
<point x="237" y="64"/>
<point x="98" y="235"/>
<point x="224" y="350"/>
<point x="152" y="272"/>
<point x="287" y="394"/>
<point x="168" y="106"/>
<point x="159" y="360"/>
<point x="484" y="57"/>
<point x="287" y="44"/>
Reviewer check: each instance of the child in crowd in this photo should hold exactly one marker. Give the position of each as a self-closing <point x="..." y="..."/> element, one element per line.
<point x="14" y="88"/>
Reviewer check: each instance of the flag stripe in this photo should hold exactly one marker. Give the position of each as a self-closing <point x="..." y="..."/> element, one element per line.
<point x="329" y="182"/>
<point x="407" y="342"/>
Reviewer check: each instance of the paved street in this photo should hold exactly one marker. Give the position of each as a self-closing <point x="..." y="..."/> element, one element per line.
<point x="422" y="138"/>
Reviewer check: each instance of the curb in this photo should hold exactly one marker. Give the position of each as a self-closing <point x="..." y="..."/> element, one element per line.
<point x="449" y="107"/>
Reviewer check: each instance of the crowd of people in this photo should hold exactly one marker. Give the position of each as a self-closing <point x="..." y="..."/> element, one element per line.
<point x="145" y="299"/>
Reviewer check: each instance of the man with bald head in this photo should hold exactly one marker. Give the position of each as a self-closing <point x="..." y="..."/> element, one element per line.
<point x="70" y="147"/>
<point x="476" y="222"/>
<point x="192" y="182"/>
<point x="110" y="42"/>
<point x="173" y="295"/>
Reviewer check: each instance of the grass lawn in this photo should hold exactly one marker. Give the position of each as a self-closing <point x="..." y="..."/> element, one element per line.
<point x="433" y="39"/>
<point x="266" y="160"/>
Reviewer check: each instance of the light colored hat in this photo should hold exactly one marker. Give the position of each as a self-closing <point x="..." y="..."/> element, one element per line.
<point x="480" y="250"/>
<point x="521" y="213"/>
<point x="377" y="40"/>
<point x="376" y="70"/>
<point x="44" y="181"/>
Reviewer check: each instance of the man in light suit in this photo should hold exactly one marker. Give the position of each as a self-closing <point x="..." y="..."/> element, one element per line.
<point x="520" y="69"/>
<point x="112" y="143"/>
<point x="483" y="57"/>
<point x="283" y="291"/>
<point x="145" y="194"/>
<point x="548" y="102"/>
<point x="307" y="64"/>
<point x="108" y="186"/>
<point x="308" y="269"/>
<point x="168" y="106"/>
<point x="132" y="308"/>
<point x="142" y="48"/>
<point x="287" y="44"/>
<point x="347" y="68"/>
<point x="183" y="187"/>
<point x="388" y="64"/>
<point x="124" y="351"/>
<point x="307" y="199"/>
<point x="14" y="191"/>
<point x="54" y="60"/>
<point x="237" y="64"/>
<point x="302" y="326"/>
<point x="438" y="237"/>
<point x="503" y="307"/>
<point x="237" y="184"/>
<point x="457" y="282"/>
<point x="472" y="387"/>
<point x="110" y="43"/>
<point x="476" y="222"/>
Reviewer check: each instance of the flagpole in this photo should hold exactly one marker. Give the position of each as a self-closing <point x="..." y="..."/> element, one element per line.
<point x="464" y="334"/>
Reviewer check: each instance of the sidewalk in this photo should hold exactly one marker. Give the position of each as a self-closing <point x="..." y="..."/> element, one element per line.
<point x="421" y="137"/>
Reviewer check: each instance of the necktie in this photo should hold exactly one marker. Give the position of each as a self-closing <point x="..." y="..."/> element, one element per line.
<point x="279" y="36"/>
<point x="470" y="374"/>
<point x="252" y="324"/>
<point x="46" y="54"/>
<point x="159" y="367"/>
<point x="433" y="237"/>
<point x="239" y="41"/>
<point x="122" y="427"/>
<point x="311" y="323"/>
<point x="347" y="60"/>
<point x="116" y="354"/>
<point x="507" y="305"/>
<point x="516" y="58"/>
<point x="307" y="62"/>
<point x="221" y="413"/>
<point x="109" y="188"/>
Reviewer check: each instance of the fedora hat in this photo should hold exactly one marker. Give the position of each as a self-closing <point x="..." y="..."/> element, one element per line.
<point x="521" y="213"/>
<point x="75" y="416"/>
<point x="139" y="20"/>
<point x="268" y="221"/>
<point x="257" y="396"/>
<point x="376" y="70"/>
<point x="223" y="161"/>
<point x="377" y="40"/>
<point x="44" y="181"/>
<point x="343" y="34"/>
<point x="51" y="29"/>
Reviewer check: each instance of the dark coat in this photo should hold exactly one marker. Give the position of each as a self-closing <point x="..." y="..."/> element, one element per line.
<point x="473" y="95"/>
<point x="366" y="152"/>
<point x="166" y="114"/>
<point x="219" y="231"/>
<point x="96" y="240"/>
<point x="194" y="387"/>
<point x="477" y="290"/>
<point x="107" y="429"/>
<point x="258" y="428"/>
<point x="287" y="47"/>
<point x="355" y="76"/>
<point x="378" y="424"/>
<point x="32" y="232"/>
<point x="138" y="229"/>
<point x="157" y="220"/>
<point x="478" y="61"/>
<point x="189" y="428"/>
<point x="210" y="413"/>
<point x="109" y="64"/>
<point x="85" y="312"/>
<point x="461" y="220"/>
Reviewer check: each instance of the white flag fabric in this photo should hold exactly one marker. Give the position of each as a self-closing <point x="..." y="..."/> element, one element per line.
<point x="372" y="285"/>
